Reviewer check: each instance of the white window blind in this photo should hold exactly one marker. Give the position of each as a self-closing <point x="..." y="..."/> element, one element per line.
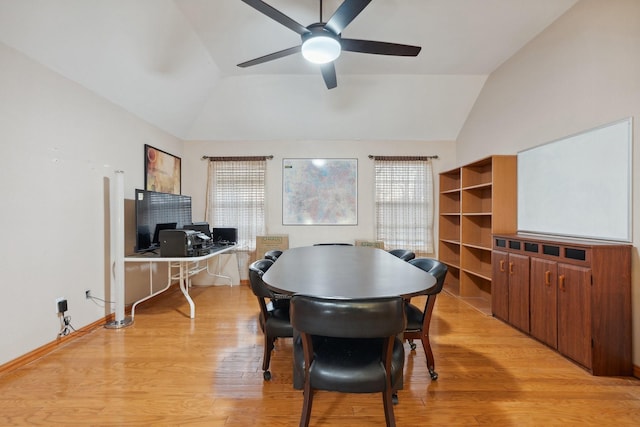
<point x="404" y="203"/>
<point x="236" y="197"/>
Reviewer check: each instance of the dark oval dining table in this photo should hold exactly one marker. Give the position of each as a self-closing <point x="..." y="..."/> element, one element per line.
<point x="345" y="272"/>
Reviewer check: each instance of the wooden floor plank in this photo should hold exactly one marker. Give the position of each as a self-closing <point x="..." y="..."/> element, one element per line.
<point x="168" y="369"/>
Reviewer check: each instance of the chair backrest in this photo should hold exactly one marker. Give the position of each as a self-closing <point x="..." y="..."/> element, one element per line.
<point x="356" y="318"/>
<point x="436" y="268"/>
<point x="273" y="254"/>
<point x="403" y="254"/>
<point x="333" y="244"/>
<point x="256" y="270"/>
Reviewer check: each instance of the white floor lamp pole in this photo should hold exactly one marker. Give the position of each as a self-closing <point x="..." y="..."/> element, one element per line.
<point x="117" y="252"/>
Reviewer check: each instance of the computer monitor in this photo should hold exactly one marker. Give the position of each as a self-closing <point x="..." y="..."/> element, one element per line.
<point x="162" y="226"/>
<point x="153" y="208"/>
<point x="224" y="235"/>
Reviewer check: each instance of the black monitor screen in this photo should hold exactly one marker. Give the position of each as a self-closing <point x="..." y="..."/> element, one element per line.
<point x="162" y="226"/>
<point x="156" y="211"/>
<point x="224" y="235"/>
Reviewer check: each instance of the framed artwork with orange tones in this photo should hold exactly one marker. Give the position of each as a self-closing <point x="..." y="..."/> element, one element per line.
<point x="162" y="171"/>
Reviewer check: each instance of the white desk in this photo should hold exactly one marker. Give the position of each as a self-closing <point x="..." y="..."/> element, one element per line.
<point x="187" y="267"/>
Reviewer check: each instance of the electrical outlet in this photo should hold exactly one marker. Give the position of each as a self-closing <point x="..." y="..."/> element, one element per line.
<point x="61" y="305"/>
<point x="87" y="293"/>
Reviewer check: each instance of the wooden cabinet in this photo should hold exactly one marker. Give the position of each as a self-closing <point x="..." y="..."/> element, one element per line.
<point x="544" y="301"/>
<point x="579" y="297"/>
<point x="510" y="289"/>
<point x="475" y="201"/>
<point x="561" y="308"/>
<point x="574" y="313"/>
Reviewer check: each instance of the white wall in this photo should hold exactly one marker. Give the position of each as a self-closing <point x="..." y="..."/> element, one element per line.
<point x="195" y="177"/>
<point x="363" y="108"/>
<point x="59" y="145"/>
<point x="582" y="72"/>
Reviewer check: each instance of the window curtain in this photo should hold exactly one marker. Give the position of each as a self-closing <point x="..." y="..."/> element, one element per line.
<point x="404" y="203"/>
<point x="236" y="197"/>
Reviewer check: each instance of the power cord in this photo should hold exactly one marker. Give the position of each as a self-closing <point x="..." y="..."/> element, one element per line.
<point x="65" y="326"/>
<point x="65" y="321"/>
<point x="91" y="297"/>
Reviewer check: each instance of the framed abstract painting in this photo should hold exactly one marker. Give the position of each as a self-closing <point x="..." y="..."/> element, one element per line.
<point x="162" y="171"/>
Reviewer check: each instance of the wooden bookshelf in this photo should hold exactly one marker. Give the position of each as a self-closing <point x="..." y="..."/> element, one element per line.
<point x="476" y="200"/>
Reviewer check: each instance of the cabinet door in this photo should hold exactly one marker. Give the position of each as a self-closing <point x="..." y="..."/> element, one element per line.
<point x="574" y="313"/>
<point x="544" y="301"/>
<point x="519" y="291"/>
<point x="500" y="285"/>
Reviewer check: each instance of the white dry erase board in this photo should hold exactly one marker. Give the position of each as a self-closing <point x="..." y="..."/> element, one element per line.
<point x="579" y="186"/>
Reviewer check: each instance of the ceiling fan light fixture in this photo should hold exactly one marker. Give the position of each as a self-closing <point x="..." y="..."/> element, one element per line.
<point x="321" y="49"/>
<point x="321" y="42"/>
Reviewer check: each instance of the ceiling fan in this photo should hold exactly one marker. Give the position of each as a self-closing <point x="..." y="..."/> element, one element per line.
<point x="322" y="41"/>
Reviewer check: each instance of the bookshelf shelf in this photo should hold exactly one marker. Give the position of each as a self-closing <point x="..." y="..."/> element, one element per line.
<point x="476" y="201"/>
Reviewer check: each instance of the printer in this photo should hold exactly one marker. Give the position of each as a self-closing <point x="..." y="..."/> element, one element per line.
<point x="183" y="243"/>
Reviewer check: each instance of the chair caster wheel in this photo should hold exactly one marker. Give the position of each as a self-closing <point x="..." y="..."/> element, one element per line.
<point x="394" y="398"/>
<point x="413" y="346"/>
<point x="267" y="375"/>
<point x="434" y="374"/>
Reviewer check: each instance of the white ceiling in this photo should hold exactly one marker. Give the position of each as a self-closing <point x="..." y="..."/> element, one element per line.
<point x="173" y="62"/>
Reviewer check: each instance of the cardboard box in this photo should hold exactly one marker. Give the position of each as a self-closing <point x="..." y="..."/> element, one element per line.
<point x="271" y="242"/>
<point x="371" y="243"/>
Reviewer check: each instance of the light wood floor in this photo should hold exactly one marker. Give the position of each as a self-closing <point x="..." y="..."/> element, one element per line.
<point x="167" y="369"/>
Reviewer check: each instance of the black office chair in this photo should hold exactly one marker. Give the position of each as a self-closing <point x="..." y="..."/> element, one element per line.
<point x="333" y="244"/>
<point x="403" y="254"/>
<point x="274" y="318"/>
<point x="272" y="254"/>
<point x="350" y="346"/>
<point x="418" y="320"/>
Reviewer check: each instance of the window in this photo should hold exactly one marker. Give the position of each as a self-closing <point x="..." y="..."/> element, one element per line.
<point x="404" y="203"/>
<point x="236" y="197"/>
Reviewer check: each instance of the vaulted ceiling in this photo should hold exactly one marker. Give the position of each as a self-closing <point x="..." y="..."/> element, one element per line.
<point x="173" y="63"/>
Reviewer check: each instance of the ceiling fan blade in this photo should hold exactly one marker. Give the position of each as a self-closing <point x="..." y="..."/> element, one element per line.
<point x="270" y="57"/>
<point x="277" y="16"/>
<point x="346" y="13"/>
<point x="379" y="48"/>
<point x="329" y="75"/>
